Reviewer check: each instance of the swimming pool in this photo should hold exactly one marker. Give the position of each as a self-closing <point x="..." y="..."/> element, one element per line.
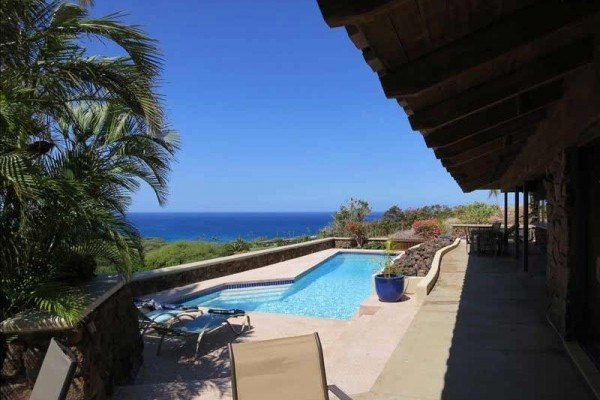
<point x="333" y="288"/>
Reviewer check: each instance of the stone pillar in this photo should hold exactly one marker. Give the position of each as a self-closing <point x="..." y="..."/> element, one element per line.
<point x="525" y="227"/>
<point x="516" y="222"/>
<point x="505" y="239"/>
<point x="560" y="270"/>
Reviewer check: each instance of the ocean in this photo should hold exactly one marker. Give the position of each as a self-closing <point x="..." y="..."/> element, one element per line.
<point x="226" y="226"/>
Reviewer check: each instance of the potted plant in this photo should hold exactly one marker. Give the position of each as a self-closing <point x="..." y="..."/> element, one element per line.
<point x="389" y="282"/>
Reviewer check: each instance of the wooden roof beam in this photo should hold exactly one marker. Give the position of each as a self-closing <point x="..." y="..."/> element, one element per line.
<point x="493" y="147"/>
<point x="374" y="62"/>
<point x="474" y="182"/>
<point x="357" y="37"/>
<point x="522" y="28"/>
<point x="539" y="72"/>
<point x="493" y="176"/>
<point x="517" y="129"/>
<point x="514" y="107"/>
<point x="480" y="183"/>
<point x="477" y="167"/>
<point x="353" y="12"/>
<point x="482" y="163"/>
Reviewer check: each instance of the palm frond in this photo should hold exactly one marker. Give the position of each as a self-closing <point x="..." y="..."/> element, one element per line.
<point x="15" y="172"/>
<point x="60" y="299"/>
<point x="78" y="134"/>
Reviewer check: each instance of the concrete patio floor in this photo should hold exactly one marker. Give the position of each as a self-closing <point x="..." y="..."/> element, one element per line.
<point x="481" y="334"/>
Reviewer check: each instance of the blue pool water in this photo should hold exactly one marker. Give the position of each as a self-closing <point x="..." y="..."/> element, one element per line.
<point x="333" y="289"/>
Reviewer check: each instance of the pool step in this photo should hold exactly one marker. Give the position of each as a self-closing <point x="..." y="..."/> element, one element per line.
<point x="244" y="295"/>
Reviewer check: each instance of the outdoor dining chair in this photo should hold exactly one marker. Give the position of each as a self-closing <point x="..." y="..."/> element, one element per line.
<point x="286" y="368"/>
<point x="55" y="375"/>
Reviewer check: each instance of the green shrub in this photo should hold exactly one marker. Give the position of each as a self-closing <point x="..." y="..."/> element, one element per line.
<point x="150" y="244"/>
<point x="476" y="213"/>
<point x="375" y="246"/>
<point x="183" y="252"/>
<point x="358" y="231"/>
<point x="427" y="228"/>
<point x="381" y="227"/>
<point x="237" y="246"/>
<point x="403" y="219"/>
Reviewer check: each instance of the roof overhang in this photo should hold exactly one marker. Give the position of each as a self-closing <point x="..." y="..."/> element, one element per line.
<point x="476" y="78"/>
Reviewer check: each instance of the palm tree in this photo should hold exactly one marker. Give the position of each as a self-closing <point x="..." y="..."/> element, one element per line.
<point x="494" y="193"/>
<point x="77" y="135"/>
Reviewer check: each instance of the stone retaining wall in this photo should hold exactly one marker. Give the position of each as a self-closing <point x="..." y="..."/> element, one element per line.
<point x="425" y="286"/>
<point x="107" y="344"/>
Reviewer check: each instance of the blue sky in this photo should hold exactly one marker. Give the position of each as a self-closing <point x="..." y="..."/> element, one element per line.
<point x="278" y="112"/>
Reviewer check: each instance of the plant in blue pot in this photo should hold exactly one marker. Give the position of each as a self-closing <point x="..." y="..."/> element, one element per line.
<point x="389" y="282"/>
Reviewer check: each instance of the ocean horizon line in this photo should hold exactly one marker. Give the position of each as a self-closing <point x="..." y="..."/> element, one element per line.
<point x="230" y="225"/>
<point x="239" y="212"/>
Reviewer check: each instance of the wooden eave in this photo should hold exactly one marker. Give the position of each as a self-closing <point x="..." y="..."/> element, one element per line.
<point x="476" y="78"/>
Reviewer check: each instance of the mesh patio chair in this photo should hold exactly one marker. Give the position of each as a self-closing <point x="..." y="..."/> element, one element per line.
<point x="149" y="320"/>
<point x="56" y="374"/>
<point x="286" y="368"/>
<point x="185" y="326"/>
<point x="153" y="313"/>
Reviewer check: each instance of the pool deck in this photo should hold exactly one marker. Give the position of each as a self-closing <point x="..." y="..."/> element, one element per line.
<point x="355" y="350"/>
<point x="480" y="334"/>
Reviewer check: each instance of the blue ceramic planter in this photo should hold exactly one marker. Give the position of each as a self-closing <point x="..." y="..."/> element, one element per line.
<point x="389" y="288"/>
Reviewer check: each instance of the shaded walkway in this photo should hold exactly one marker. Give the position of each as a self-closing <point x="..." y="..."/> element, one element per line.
<point x="481" y="334"/>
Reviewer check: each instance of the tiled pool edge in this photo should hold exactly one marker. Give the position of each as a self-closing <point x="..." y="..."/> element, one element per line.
<point x="234" y="285"/>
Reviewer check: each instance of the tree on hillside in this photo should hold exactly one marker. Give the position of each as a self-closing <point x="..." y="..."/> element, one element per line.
<point x="394" y="213"/>
<point x="77" y="135"/>
<point x="354" y="210"/>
